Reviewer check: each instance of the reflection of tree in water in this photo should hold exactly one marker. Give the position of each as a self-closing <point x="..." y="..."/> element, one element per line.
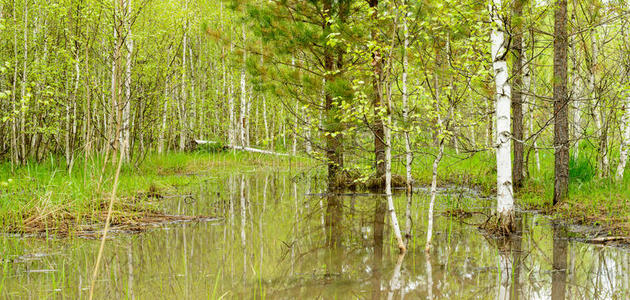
<point x="509" y="263"/>
<point x="559" y="272"/>
<point x="377" y="259"/>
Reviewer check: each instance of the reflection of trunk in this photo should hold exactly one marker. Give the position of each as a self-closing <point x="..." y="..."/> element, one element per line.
<point x="130" y="294"/>
<point x="429" y="270"/>
<point x="395" y="284"/>
<point x="504" y="276"/>
<point x="508" y="278"/>
<point x="334" y="216"/>
<point x="243" y="224"/>
<point x="377" y="260"/>
<point x="409" y="219"/>
<point x="559" y="272"/>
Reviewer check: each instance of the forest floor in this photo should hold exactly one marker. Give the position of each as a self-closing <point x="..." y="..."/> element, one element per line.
<point x="44" y="198"/>
<point x="594" y="202"/>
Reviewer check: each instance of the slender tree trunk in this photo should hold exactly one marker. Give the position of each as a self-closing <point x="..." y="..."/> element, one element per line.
<point x="625" y="119"/>
<point x="625" y="139"/>
<point x="333" y="134"/>
<point x="436" y="163"/>
<point x="161" y="138"/>
<point x="183" y="106"/>
<point x="505" y="197"/>
<point x="377" y="102"/>
<point x="576" y="98"/>
<point x="532" y="91"/>
<point x="126" y="128"/>
<point x="408" y="153"/>
<point x="243" y="116"/>
<point x="388" y="171"/>
<point x="517" y="103"/>
<point x="598" y="110"/>
<point x="561" y="103"/>
<point x="527" y="91"/>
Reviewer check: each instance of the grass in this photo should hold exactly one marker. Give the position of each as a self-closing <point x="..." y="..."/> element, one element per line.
<point x="592" y="200"/>
<point x="46" y="197"/>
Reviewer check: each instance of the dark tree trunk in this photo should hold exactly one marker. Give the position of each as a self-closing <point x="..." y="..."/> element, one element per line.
<point x="379" y="127"/>
<point x="561" y="103"/>
<point x="517" y="102"/>
<point x="334" y="147"/>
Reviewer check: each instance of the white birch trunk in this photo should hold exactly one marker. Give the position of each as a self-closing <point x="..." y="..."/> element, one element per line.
<point x="436" y="163"/>
<point x="297" y="109"/>
<point x="308" y="146"/>
<point x="243" y="117"/>
<point x="388" y="177"/>
<point x="295" y="133"/>
<point x="625" y="121"/>
<point x="405" y="97"/>
<point x="505" y="200"/>
<point x="625" y="140"/>
<point x="184" y="97"/>
<point x="125" y="132"/>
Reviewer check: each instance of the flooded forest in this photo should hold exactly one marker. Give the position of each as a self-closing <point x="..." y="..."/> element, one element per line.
<point x="314" y="149"/>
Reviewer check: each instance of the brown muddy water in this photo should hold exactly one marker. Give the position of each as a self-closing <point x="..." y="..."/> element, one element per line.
<point x="277" y="238"/>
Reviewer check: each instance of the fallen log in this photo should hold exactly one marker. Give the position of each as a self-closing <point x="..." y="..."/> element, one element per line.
<point x="241" y="148"/>
<point x="249" y="149"/>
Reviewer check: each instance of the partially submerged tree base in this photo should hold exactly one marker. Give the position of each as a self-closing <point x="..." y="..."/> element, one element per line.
<point x="378" y="183"/>
<point x="351" y="179"/>
<point x="500" y="225"/>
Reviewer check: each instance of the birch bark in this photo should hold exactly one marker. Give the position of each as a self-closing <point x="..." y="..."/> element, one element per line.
<point x="505" y="200"/>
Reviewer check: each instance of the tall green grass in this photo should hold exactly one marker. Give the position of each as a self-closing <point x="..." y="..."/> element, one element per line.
<point x="48" y="187"/>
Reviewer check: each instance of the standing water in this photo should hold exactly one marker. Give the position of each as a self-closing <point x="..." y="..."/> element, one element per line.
<point x="278" y="236"/>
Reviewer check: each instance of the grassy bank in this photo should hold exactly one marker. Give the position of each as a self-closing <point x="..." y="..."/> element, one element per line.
<point x="592" y="200"/>
<point x="44" y="197"/>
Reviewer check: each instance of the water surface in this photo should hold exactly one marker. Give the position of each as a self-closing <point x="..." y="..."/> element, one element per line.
<point x="278" y="237"/>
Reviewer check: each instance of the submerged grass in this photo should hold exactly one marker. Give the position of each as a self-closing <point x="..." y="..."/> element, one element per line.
<point x="45" y="197"/>
<point x="592" y="200"/>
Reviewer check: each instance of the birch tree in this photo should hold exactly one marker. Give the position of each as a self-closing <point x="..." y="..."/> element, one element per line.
<point x="625" y="119"/>
<point x="503" y="94"/>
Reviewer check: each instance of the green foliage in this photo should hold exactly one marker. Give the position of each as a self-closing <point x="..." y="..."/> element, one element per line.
<point x="211" y="148"/>
<point x="581" y="170"/>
